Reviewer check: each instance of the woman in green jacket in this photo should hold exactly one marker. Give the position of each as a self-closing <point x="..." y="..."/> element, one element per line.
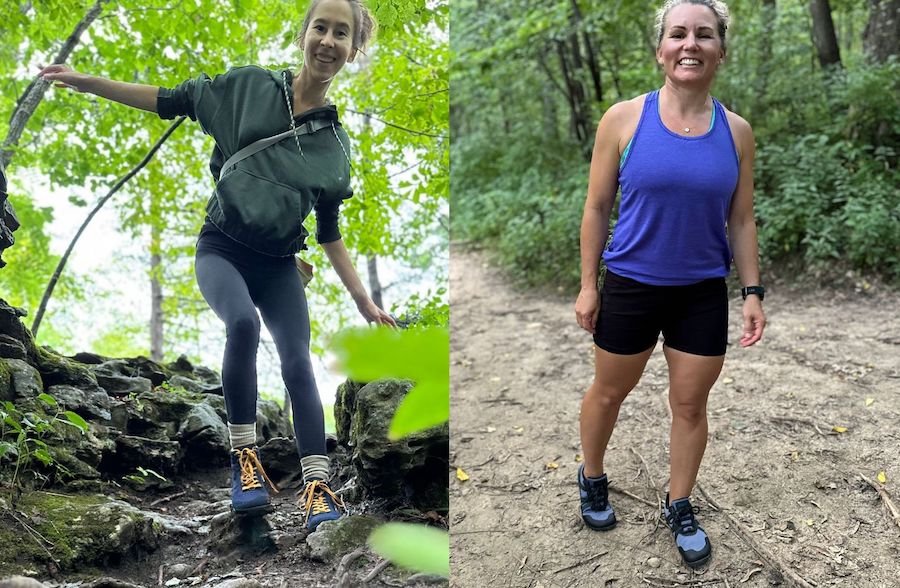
<point x="253" y="228"/>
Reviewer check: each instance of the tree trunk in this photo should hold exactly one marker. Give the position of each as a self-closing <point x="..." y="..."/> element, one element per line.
<point x="591" y="54"/>
<point x="575" y="94"/>
<point x="550" y="113"/>
<point x="156" y="294"/>
<point x="375" y="288"/>
<point x="882" y="34"/>
<point x="823" y="34"/>
<point x="768" y="15"/>
<point x="28" y="102"/>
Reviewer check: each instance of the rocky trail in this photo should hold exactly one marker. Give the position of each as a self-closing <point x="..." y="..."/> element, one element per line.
<point x="801" y="427"/>
<point x="132" y="489"/>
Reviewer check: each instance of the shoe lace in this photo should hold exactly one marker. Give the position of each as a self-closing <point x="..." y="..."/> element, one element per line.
<point x="598" y="495"/>
<point x="249" y="463"/>
<point x="682" y="520"/>
<point x="313" y="498"/>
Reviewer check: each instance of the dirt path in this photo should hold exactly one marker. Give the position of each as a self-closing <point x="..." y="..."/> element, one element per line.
<point x="519" y="366"/>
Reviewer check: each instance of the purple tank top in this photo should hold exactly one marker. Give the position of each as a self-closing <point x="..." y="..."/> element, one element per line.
<point x="676" y="194"/>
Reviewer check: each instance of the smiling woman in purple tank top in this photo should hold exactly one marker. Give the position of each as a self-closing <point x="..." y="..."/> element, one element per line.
<point x="684" y="165"/>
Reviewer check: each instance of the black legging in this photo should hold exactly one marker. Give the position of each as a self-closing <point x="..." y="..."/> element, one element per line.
<point x="235" y="281"/>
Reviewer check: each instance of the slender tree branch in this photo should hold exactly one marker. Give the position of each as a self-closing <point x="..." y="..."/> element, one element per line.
<point x="28" y="102"/>
<point x="422" y="95"/>
<point x="403" y="171"/>
<point x="118" y="185"/>
<point x="390" y="124"/>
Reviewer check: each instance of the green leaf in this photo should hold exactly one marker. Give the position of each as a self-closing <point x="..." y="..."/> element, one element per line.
<point x="425" y="406"/>
<point x="12" y="422"/>
<point x="44" y="456"/>
<point x="415" y="547"/>
<point x="418" y="355"/>
<point x="369" y="354"/>
<point x="47" y="399"/>
<point x="6" y="447"/>
<point x="76" y="420"/>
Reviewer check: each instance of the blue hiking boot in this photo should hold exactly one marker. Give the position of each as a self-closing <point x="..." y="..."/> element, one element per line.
<point x="690" y="538"/>
<point x="595" y="508"/>
<point x="249" y="495"/>
<point x="319" y="504"/>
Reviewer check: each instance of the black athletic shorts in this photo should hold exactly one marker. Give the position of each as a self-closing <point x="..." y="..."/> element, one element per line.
<point x="692" y="318"/>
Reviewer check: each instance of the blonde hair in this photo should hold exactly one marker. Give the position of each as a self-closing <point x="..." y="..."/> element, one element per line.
<point x="719" y="9"/>
<point x="364" y="24"/>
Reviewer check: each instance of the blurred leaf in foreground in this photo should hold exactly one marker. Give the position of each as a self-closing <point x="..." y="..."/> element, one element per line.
<point x="422" y="356"/>
<point x="413" y="546"/>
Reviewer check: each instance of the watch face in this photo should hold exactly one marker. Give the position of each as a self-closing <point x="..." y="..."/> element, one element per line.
<point x="758" y="290"/>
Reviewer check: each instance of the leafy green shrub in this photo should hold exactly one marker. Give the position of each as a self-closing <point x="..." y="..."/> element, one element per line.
<point x="24" y="435"/>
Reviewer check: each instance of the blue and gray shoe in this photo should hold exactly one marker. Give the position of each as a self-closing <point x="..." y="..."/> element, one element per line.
<point x="319" y="504"/>
<point x="595" y="508"/>
<point x="249" y="495"/>
<point x="690" y="538"/>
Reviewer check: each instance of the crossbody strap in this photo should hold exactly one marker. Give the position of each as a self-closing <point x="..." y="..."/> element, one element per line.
<point x="306" y="128"/>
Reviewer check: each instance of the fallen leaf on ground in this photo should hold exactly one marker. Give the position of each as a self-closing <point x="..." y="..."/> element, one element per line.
<point x="869" y="401"/>
<point x="518" y="429"/>
<point x="727" y="380"/>
<point x="461" y="475"/>
<point x="837" y="429"/>
<point x="552" y="466"/>
<point x="882" y="477"/>
<point x="578" y="458"/>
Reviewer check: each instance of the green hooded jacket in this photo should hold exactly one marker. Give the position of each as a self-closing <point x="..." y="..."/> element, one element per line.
<point x="263" y="201"/>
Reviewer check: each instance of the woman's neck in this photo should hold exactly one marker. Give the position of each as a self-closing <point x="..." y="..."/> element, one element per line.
<point x="685" y="101"/>
<point x="308" y="92"/>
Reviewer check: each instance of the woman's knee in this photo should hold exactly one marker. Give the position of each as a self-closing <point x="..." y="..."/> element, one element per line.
<point x="244" y="327"/>
<point x="298" y="370"/>
<point x="606" y="395"/>
<point x="691" y="410"/>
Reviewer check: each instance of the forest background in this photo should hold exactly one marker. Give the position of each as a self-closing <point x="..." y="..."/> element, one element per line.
<point x="64" y="151"/>
<point x="818" y="81"/>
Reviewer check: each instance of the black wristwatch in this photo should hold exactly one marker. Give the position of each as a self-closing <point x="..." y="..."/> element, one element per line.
<point x="758" y="290"/>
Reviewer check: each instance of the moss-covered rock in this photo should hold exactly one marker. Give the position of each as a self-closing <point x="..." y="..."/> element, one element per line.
<point x="171" y="407"/>
<point x="344" y="408"/>
<point x="333" y="539"/>
<point x="409" y="471"/>
<point x="25" y="381"/>
<point x="89" y="404"/>
<point x="56" y="369"/>
<point x="78" y="530"/>
<point x="6" y="391"/>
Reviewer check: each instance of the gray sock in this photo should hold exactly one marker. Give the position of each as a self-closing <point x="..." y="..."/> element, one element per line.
<point x="241" y="435"/>
<point x="315" y="467"/>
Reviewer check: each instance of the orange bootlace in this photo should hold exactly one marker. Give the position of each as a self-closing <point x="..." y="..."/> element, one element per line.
<point x="249" y="464"/>
<point x="313" y="498"/>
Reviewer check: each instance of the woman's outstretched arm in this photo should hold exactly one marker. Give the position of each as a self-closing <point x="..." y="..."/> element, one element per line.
<point x="135" y="95"/>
